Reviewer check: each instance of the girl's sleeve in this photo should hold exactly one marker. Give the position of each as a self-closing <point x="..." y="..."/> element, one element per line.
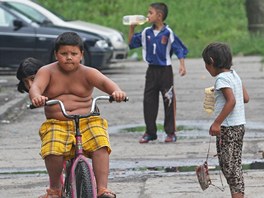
<point x="222" y="83"/>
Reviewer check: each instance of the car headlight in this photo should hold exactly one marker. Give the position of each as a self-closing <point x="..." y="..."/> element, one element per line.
<point x="116" y="38"/>
<point x="101" y="44"/>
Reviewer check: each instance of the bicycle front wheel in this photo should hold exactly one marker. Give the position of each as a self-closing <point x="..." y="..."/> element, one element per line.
<point x="85" y="181"/>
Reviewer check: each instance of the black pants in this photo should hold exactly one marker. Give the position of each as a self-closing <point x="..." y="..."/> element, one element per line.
<point x="159" y="79"/>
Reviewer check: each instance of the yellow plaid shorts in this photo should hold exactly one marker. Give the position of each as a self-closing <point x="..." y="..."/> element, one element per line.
<point x="58" y="137"/>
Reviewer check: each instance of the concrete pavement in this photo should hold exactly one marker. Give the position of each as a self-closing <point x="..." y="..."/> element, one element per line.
<point x="143" y="170"/>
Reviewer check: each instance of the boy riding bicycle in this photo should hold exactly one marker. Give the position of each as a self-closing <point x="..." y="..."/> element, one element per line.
<point x="72" y="83"/>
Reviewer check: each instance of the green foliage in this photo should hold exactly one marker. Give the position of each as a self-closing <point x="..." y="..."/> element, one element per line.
<point x="196" y="22"/>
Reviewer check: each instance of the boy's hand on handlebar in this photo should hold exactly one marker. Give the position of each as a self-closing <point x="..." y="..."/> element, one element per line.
<point x="39" y="101"/>
<point x="119" y="96"/>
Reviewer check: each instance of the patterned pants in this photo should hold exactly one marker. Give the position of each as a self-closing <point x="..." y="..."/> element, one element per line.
<point x="229" y="150"/>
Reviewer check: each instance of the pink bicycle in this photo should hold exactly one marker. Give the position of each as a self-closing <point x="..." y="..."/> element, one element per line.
<point x="79" y="180"/>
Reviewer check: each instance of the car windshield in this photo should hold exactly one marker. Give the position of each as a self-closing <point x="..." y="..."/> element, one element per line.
<point x="27" y="11"/>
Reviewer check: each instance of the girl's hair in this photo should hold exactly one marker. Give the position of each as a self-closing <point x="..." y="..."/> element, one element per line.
<point x="218" y="54"/>
<point x="68" y="38"/>
<point x="161" y="7"/>
<point x="27" y="67"/>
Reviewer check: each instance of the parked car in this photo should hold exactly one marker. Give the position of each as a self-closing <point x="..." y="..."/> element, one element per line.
<point x="41" y="14"/>
<point x="21" y="37"/>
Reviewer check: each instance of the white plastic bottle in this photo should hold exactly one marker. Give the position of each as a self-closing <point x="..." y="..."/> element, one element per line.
<point x="134" y="20"/>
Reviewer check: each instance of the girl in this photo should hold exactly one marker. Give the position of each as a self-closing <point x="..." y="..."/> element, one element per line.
<point x="228" y="126"/>
<point x="26" y="73"/>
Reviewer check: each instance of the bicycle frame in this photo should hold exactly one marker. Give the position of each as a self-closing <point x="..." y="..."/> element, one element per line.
<point x="78" y="157"/>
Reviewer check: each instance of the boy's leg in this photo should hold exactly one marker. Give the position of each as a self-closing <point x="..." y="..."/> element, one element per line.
<point x="151" y="102"/>
<point x="100" y="161"/>
<point x="54" y="165"/>
<point x="169" y="100"/>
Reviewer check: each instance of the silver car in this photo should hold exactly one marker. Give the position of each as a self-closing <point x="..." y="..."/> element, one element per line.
<point x="39" y="13"/>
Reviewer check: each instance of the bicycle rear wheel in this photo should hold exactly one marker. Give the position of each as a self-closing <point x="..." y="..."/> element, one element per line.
<point x="85" y="182"/>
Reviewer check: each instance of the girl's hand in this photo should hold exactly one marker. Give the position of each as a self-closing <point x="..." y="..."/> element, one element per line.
<point x="215" y="129"/>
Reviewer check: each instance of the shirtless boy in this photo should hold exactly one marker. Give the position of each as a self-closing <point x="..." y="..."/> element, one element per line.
<point x="72" y="83"/>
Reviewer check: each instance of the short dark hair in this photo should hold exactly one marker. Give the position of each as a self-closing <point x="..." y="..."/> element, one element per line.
<point x="218" y="54"/>
<point x="161" y="7"/>
<point x="68" y="38"/>
<point x="27" y="67"/>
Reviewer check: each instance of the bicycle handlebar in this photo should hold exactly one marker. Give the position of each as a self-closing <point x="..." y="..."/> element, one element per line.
<point x="92" y="111"/>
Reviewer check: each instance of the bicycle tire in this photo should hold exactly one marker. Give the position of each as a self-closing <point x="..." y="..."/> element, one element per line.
<point x="67" y="185"/>
<point x="84" y="181"/>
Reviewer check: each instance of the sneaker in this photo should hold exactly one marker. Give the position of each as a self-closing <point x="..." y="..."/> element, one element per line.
<point x="171" y="138"/>
<point x="146" y="138"/>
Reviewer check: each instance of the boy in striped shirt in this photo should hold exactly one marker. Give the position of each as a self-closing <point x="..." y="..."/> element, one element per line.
<point x="158" y="43"/>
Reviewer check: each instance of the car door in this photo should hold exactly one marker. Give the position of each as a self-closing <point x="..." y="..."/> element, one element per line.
<point x="17" y="39"/>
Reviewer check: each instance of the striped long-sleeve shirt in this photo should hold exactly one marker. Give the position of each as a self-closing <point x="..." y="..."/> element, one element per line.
<point x="158" y="47"/>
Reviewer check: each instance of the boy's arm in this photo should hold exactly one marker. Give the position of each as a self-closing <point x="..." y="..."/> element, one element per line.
<point x="181" y="52"/>
<point x="178" y="47"/>
<point x="39" y="85"/>
<point x="106" y="85"/>
<point x="131" y="32"/>
<point x="182" y="69"/>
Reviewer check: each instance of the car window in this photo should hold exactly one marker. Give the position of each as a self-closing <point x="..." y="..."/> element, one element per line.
<point x="6" y="19"/>
<point x="28" y="12"/>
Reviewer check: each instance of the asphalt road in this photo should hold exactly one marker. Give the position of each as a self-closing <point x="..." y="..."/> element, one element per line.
<point x="137" y="171"/>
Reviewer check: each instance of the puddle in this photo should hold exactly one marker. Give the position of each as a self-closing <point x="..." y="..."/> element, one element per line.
<point x="189" y="129"/>
<point x="165" y="170"/>
<point x="136" y="171"/>
<point x="186" y="129"/>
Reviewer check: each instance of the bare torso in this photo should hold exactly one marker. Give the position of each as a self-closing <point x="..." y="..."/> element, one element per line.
<point x="73" y="89"/>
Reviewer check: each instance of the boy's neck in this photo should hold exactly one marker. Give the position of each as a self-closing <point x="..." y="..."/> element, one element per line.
<point x="158" y="25"/>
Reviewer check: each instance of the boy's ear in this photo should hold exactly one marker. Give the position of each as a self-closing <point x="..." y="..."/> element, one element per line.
<point x="160" y="15"/>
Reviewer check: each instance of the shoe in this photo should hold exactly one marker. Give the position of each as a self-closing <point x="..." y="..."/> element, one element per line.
<point x="171" y="138"/>
<point x="146" y="138"/>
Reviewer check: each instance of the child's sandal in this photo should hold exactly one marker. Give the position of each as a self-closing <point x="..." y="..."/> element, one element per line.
<point x="105" y="193"/>
<point x="55" y="193"/>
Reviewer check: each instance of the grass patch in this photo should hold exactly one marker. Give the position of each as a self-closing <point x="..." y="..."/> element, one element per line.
<point x="141" y="129"/>
<point x="196" y="22"/>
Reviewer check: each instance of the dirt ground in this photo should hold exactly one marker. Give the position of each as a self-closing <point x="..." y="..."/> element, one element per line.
<point x="138" y="170"/>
